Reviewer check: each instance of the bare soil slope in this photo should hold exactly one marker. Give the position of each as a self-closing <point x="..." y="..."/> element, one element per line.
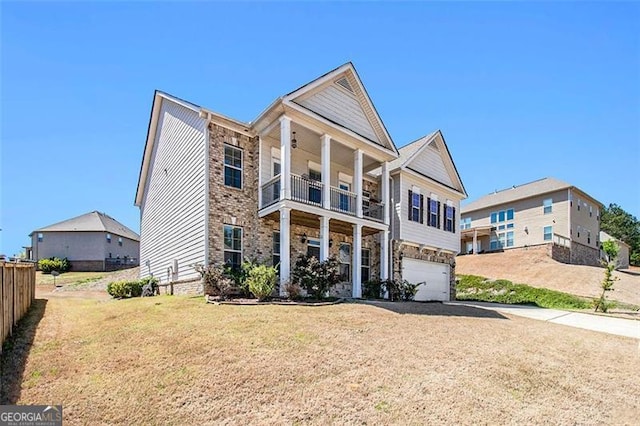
<point x="535" y="268"/>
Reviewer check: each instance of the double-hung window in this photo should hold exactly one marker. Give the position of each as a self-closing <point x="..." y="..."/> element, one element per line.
<point x="233" y="246"/>
<point x="465" y="223"/>
<point x="547" y="205"/>
<point x="275" y="260"/>
<point x="344" y="257"/>
<point x="415" y="207"/>
<point x="232" y="166"/>
<point x="548" y="233"/>
<point x="365" y="269"/>
<point x="450" y="213"/>
<point x="434" y="213"/>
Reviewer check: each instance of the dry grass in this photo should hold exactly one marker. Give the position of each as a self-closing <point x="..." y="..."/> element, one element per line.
<point x="175" y="360"/>
<point x="538" y="270"/>
<point x="68" y="278"/>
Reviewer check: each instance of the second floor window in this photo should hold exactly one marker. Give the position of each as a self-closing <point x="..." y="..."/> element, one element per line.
<point x="40" y="237"/>
<point x="232" y="167"/>
<point x="465" y="223"/>
<point x="450" y="214"/>
<point x="548" y="233"/>
<point x="434" y="213"/>
<point x="547" y="205"/>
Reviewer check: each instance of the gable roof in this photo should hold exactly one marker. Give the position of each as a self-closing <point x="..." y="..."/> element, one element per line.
<point x="91" y="222"/>
<point x="410" y="152"/>
<point x="606" y="237"/>
<point x="517" y="192"/>
<point x="342" y="86"/>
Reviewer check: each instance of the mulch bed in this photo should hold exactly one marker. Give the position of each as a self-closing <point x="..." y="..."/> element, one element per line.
<point x="273" y="301"/>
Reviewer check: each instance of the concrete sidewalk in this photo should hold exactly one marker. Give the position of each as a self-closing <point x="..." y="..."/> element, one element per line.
<point x="617" y="326"/>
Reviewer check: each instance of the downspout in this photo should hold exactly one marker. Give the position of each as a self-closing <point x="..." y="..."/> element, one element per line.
<point x="207" y="178"/>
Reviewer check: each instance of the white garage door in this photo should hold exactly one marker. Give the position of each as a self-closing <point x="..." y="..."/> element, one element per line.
<point x="433" y="276"/>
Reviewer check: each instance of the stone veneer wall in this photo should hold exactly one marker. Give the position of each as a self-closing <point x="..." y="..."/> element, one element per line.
<point x="401" y="251"/>
<point x="87" y="265"/>
<point x="584" y="255"/>
<point x="559" y="253"/>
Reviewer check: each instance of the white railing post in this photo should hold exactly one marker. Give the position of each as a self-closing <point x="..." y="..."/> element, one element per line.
<point x="357" y="180"/>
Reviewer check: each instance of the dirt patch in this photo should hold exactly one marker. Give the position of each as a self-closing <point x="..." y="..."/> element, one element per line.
<point x="353" y="363"/>
<point x="538" y="270"/>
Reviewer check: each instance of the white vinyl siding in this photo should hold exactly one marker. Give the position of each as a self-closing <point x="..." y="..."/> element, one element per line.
<point x="429" y="162"/>
<point x="421" y="233"/>
<point x="341" y="107"/>
<point x="172" y="225"/>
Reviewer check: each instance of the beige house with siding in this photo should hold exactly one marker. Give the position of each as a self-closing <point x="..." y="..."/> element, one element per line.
<point x="315" y="173"/>
<point x="624" y="250"/>
<point x="544" y="212"/>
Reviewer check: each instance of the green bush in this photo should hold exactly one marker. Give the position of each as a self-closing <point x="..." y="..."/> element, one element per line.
<point x="123" y="289"/>
<point x="372" y="289"/>
<point x="214" y="280"/>
<point x="261" y="280"/>
<point x="314" y="276"/>
<point x="399" y="290"/>
<point x="54" y="264"/>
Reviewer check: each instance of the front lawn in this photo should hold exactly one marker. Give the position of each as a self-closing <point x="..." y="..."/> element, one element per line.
<point x="177" y="360"/>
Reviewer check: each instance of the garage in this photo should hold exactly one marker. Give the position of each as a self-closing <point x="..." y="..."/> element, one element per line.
<point x="434" y="278"/>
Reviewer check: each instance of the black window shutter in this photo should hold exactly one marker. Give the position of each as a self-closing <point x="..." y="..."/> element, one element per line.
<point x="438" y="215"/>
<point x="421" y="208"/>
<point x="453" y="221"/>
<point x="428" y="211"/>
<point x="410" y="204"/>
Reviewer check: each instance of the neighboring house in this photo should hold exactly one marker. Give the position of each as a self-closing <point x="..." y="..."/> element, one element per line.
<point x="315" y="173"/>
<point x="624" y="250"/>
<point x="544" y="212"/>
<point x="91" y="242"/>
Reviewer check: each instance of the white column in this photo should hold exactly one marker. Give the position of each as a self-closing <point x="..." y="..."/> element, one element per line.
<point x="324" y="238"/>
<point x="326" y="171"/>
<point x="357" y="261"/>
<point x="357" y="180"/>
<point x="285" y="252"/>
<point x="285" y="161"/>
<point x="386" y="198"/>
<point x="475" y="241"/>
<point x="260" y="171"/>
<point x="384" y="255"/>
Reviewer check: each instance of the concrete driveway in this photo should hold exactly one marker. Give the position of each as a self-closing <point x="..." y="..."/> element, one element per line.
<point x="617" y="326"/>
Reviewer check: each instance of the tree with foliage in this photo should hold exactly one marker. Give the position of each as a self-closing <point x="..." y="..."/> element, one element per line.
<point x="623" y="226"/>
<point x="611" y="250"/>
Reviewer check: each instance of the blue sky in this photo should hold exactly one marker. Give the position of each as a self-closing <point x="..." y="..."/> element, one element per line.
<point x="551" y="86"/>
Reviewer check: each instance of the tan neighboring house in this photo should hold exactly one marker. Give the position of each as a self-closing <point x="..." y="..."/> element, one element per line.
<point x="91" y="242"/>
<point x="544" y="212"/>
<point x="624" y="250"/>
<point x="315" y="173"/>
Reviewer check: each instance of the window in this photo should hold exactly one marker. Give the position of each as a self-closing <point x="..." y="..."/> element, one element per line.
<point x="344" y="257"/>
<point x="365" y="269"/>
<point x="276" y="168"/>
<point x="40" y="237"/>
<point x="579" y="202"/>
<point x="120" y="241"/>
<point x="315" y="193"/>
<point x="588" y="237"/>
<point x="366" y="203"/>
<point x="510" y="239"/>
<point x="502" y="239"/>
<point x="465" y="223"/>
<point x="579" y="231"/>
<point x="509" y="225"/>
<point x="548" y="233"/>
<point x="501" y="216"/>
<point x="434" y="213"/>
<point x="233" y="246"/>
<point x="590" y="211"/>
<point x="494" y="217"/>
<point x="510" y="214"/>
<point x="313" y="248"/>
<point x="232" y="167"/>
<point x="494" y="244"/>
<point x="547" y="205"/>
<point x="597" y="213"/>
<point x="344" y="197"/>
<point x="275" y="260"/>
<point x="501" y="227"/>
<point x="450" y="213"/>
<point x="109" y="238"/>
<point x="416" y="207"/>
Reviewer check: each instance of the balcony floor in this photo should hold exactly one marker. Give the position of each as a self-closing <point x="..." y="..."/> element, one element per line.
<point x="311" y="220"/>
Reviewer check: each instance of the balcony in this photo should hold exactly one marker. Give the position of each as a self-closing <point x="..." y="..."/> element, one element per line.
<point x="308" y="191"/>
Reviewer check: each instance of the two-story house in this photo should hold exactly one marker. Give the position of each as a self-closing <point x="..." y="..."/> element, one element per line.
<point x="316" y="173"/>
<point x="544" y="212"/>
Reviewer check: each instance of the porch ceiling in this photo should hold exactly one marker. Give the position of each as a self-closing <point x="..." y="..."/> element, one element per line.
<point x="311" y="220"/>
<point x="484" y="231"/>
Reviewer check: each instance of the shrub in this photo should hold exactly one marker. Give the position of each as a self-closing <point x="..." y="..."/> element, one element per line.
<point x="294" y="291"/>
<point x="314" y="276"/>
<point x="399" y="290"/>
<point x="214" y="280"/>
<point x="54" y="264"/>
<point x="372" y="289"/>
<point x="261" y="280"/>
<point x="122" y="289"/>
<point x="149" y="286"/>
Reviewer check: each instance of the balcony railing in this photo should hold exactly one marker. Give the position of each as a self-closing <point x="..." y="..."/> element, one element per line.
<point x="308" y="191"/>
<point x="271" y="192"/>
<point x="373" y="210"/>
<point x="343" y="201"/>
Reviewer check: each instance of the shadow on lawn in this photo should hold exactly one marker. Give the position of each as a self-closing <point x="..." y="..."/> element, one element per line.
<point x="434" y="309"/>
<point x="15" y="352"/>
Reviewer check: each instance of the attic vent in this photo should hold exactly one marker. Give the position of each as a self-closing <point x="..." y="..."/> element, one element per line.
<point x="345" y="83"/>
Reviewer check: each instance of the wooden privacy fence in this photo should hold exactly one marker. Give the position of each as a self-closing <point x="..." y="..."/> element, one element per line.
<point x="17" y="291"/>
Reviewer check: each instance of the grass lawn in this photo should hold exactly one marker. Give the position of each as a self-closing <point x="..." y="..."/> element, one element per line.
<point x="69" y="278"/>
<point x="176" y="360"/>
